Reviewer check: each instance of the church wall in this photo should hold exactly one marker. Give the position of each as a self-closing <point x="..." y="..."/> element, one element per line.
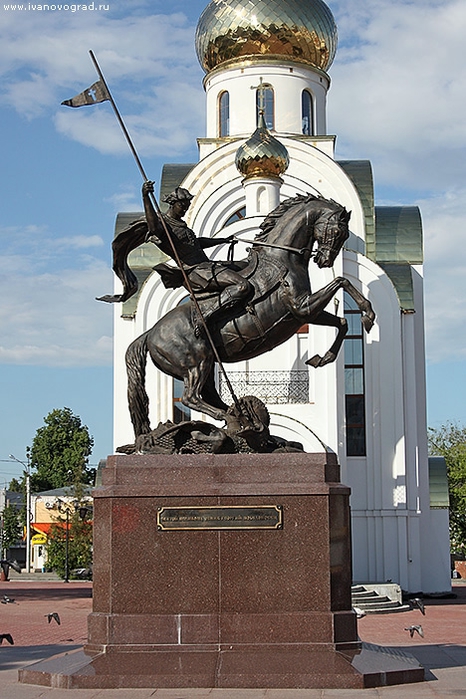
<point x="435" y="552"/>
<point x="379" y="480"/>
<point x="288" y="82"/>
<point x="434" y="534"/>
<point x="395" y="531"/>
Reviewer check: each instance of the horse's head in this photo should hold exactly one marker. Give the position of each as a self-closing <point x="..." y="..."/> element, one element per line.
<point x="330" y="232"/>
<point x="300" y="218"/>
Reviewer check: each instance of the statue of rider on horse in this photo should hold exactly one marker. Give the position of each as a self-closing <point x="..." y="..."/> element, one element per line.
<point x="244" y="308"/>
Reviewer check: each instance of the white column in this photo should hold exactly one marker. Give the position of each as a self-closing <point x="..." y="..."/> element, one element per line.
<point x="262" y="195"/>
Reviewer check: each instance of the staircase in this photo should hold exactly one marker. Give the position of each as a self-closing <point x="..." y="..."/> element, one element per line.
<point x="28" y="577"/>
<point x="378" y="599"/>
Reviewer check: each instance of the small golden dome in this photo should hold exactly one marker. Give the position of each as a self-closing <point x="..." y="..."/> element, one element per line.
<point x="262" y="155"/>
<point x="299" y="30"/>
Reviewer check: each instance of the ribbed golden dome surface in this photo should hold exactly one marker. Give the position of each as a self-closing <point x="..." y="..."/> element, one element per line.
<point x="300" y="30"/>
<point x="262" y="155"/>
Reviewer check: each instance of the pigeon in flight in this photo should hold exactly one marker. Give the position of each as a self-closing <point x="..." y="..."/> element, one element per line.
<point x="415" y="629"/>
<point x="53" y="615"/>
<point x="417" y="603"/>
<point x="8" y="637"/>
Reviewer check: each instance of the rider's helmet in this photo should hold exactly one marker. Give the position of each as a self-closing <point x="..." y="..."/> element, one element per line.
<point x="179" y="194"/>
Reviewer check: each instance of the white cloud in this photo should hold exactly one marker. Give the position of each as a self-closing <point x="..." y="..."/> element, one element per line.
<point x="81" y="241"/>
<point x="399" y="93"/>
<point x="49" y="315"/>
<point x="445" y="272"/>
<point x="142" y="57"/>
<point x="127" y="199"/>
<point x="166" y="124"/>
<point x="54" y="319"/>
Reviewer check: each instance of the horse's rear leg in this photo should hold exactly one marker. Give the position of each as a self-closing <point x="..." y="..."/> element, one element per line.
<point x="193" y="397"/>
<point x="138" y="400"/>
<point x="210" y="394"/>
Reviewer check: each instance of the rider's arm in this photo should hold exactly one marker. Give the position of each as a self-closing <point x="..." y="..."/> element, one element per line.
<point x="212" y="242"/>
<point x="155" y="230"/>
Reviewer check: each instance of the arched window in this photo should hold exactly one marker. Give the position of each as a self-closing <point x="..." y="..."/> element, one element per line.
<point x="265" y="99"/>
<point x="237" y="216"/>
<point x="355" y="399"/>
<point x="307" y="113"/>
<point x="224" y="114"/>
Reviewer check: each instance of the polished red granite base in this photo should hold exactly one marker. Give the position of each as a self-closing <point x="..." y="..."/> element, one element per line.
<point x="278" y="667"/>
<point x="219" y="607"/>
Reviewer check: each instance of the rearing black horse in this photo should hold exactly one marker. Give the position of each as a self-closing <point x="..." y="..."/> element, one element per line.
<point x="278" y="268"/>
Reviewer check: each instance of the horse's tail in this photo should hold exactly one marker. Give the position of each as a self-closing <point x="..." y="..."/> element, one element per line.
<point x="138" y="400"/>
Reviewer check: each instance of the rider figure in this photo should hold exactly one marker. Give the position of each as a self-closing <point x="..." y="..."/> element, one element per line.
<point x="204" y="275"/>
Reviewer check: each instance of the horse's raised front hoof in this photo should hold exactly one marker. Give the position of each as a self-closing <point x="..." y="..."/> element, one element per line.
<point x="315" y="361"/>
<point x="367" y="323"/>
<point x="318" y="361"/>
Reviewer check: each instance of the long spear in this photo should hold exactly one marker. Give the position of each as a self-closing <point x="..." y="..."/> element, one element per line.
<point x="100" y="92"/>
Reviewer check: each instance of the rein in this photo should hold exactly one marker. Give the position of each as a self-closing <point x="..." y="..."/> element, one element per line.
<point x="298" y="251"/>
<point x="326" y="244"/>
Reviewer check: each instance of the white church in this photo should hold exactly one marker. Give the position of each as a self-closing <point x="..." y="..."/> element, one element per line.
<point x="369" y="406"/>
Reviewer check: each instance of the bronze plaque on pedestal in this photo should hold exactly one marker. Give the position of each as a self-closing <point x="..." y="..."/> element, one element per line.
<point x="220" y="517"/>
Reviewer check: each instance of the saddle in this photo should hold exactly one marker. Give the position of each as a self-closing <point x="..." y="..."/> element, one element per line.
<point x="264" y="282"/>
<point x="264" y="278"/>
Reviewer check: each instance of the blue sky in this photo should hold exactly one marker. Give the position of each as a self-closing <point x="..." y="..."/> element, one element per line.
<point x="397" y="98"/>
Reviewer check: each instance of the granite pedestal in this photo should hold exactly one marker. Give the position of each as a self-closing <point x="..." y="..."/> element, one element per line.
<point x="178" y="605"/>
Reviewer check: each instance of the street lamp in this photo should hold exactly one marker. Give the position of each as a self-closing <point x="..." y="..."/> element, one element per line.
<point x="82" y="511"/>
<point x="67" y="546"/>
<point x="28" y="506"/>
<point x="66" y="508"/>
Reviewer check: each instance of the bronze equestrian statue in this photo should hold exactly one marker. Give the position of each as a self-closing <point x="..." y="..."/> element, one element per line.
<point x="251" y="306"/>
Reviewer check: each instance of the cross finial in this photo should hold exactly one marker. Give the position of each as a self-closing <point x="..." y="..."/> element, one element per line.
<point x="261" y="89"/>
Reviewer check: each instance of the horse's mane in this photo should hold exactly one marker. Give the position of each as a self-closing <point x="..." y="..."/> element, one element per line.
<point x="272" y="219"/>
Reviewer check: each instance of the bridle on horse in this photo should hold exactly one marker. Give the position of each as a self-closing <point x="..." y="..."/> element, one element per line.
<point x="326" y="244"/>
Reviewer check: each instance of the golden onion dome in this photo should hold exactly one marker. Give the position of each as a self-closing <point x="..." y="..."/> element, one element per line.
<point x="299" y="30"/>
<point x="262" y="155"/>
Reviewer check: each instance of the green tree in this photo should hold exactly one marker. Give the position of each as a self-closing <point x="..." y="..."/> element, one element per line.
<point x="449" y="441"/>
<point x="17" y="486"/>
<point x="60" y="451"/>
<point x="79" y="544"/>
<point x="12" y="529"/>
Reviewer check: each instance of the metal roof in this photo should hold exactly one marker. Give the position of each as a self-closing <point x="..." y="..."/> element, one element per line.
<point x="398" y="245"/>
<point x="398" y="234"/>
<point x="360" y="174"/>
<point x="401" y="276"/>
<point x="173" y="175"/>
